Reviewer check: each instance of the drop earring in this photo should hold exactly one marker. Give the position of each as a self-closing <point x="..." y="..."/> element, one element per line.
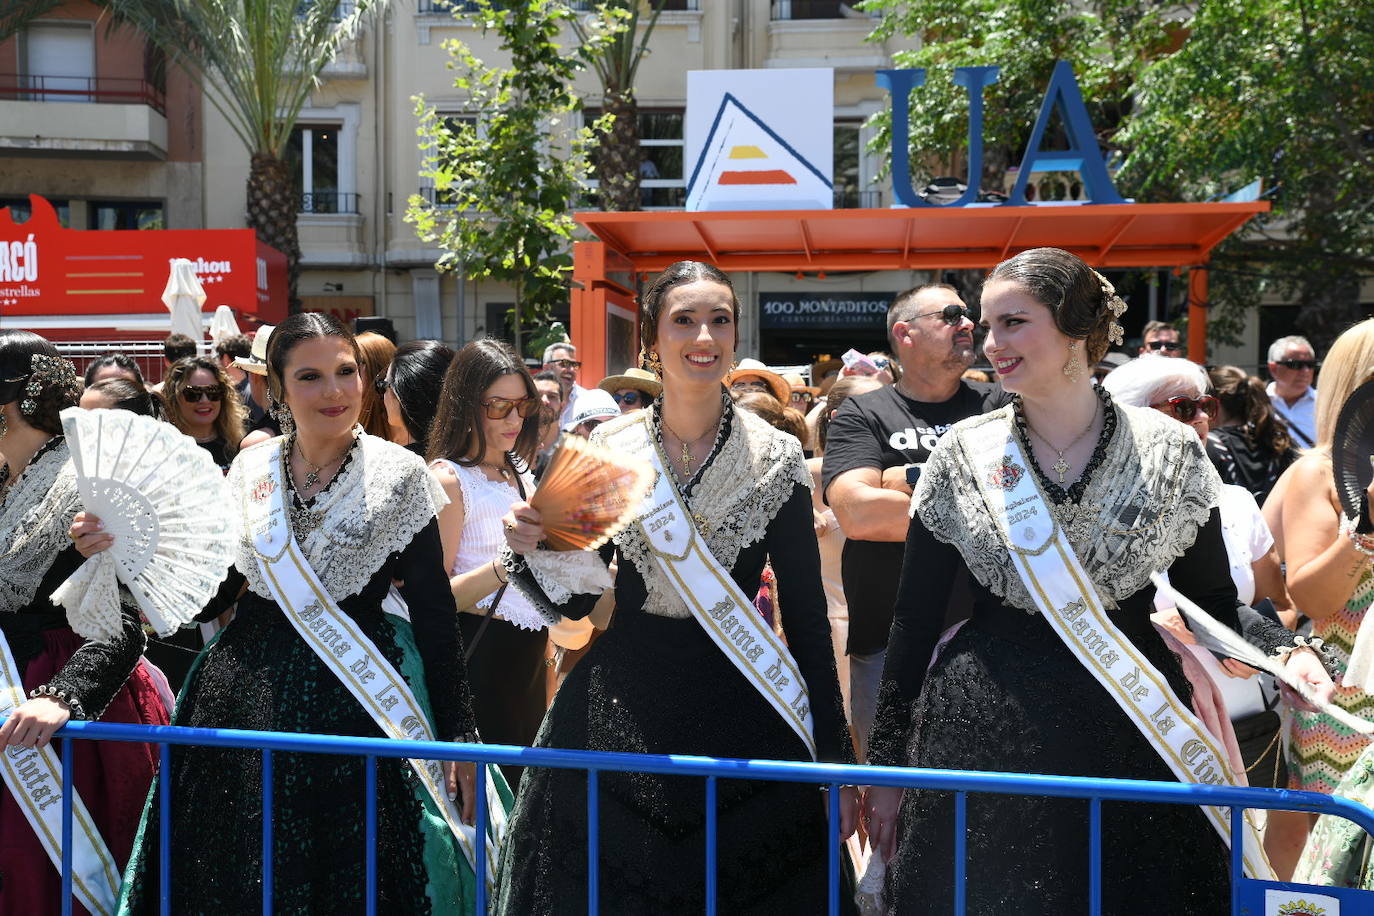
<point x="1073" y="369"/>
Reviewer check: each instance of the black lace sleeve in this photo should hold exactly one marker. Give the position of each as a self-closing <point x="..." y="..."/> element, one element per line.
<point x="96" y="671"/>
<point x="792" y="549"/>
<point x="575" y="608"/>
<point x="434" y="619"/>
<point x="928" y="571"/>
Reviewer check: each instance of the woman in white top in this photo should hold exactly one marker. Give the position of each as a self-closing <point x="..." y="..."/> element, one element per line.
<point x="484" y="436"/>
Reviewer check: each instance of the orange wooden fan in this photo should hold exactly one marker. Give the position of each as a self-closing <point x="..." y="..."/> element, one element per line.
<point x="588" y="494"/>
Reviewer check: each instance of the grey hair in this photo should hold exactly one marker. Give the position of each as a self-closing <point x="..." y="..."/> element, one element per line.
<point x="561" y="345"/>
<point x="1280" y="346"/>
<point x="1142" y="381"/>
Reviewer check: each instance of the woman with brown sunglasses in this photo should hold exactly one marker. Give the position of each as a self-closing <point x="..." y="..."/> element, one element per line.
<point x="205" y="405"/>
<point x="481" y="446"/>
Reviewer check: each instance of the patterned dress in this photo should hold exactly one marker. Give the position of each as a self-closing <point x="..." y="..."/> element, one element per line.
<point x="1322" y="750"/>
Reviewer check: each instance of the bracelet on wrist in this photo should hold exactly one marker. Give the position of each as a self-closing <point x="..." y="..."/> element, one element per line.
<point x="1364" y="543"/>
<point x="500" y="571"/>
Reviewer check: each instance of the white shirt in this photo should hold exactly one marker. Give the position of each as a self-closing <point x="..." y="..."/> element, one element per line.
<point x="1302" y="416"/>
<point x="1247" y="538"/>
<point x="570" y="408"/>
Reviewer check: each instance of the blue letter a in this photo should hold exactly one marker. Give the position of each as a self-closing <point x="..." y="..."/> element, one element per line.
<point x="900" y="83"/>
<point x="1083" y="154"/>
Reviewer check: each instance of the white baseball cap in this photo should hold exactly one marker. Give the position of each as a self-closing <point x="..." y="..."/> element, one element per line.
<point x="592" y="404"/>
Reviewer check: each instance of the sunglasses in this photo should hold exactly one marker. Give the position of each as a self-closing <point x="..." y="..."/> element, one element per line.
<point x="500" y="408"/>
<point x="1297" y="363"/>
<point x="632" y="398"/>
<point x="1186" y="409"/>
<point x="380" y="384"/>
<point x="804" y="397"/>
<point x="192" y="394"/>
<point x="1172" y="346"/>
<point x="951" y="315"/>
<point x="567" y="363"/>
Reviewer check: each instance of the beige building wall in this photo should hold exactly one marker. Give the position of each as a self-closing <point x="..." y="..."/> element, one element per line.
<point x="370" y="262"/>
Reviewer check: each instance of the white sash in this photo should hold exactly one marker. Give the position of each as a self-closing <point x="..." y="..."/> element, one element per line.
<point x="345" y="650"/>
<point x="727" y="615"/>
<point x="34" y="778"/>
<point x="1067" y="598"/>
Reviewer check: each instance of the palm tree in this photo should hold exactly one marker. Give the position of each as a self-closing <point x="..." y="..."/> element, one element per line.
<point x="257" y="61"/>
<point x="617" y="62"/>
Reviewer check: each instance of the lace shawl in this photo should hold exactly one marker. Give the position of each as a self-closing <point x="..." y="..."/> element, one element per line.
<point x="34" y="517"/>
<point x="1139" y="512"/>
<point x="750" y="477"/>
<point x="381" y="498"/>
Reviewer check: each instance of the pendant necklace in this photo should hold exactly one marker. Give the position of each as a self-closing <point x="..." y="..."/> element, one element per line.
<point x="1061" y="465"/>
<point x="686" y="458"/>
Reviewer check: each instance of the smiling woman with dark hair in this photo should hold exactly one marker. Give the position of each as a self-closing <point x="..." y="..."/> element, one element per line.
<point x="659" y="681"/>
<point x="335" y="517"/>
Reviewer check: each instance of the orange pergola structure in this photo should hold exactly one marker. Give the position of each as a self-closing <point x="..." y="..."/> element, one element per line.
<point x="1106" y="236"/>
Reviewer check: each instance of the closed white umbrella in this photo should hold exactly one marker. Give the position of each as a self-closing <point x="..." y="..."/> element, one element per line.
<point x="183" y="297"/>
<point x="223" y="324"/>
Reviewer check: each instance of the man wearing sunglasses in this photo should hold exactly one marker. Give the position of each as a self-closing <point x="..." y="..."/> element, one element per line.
<point x="1292" y="365"/>
<point x="1161" y="338"/>
<point x="875" y="446"/>
<point x="562" y="359"/>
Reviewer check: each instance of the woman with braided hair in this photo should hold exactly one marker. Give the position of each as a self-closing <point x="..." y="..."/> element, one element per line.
<point x="1059" y="506"/>
<point x="62" y="676"/>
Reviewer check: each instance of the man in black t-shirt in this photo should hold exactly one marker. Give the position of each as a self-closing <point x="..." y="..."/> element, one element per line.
<point x="874" y="446"/>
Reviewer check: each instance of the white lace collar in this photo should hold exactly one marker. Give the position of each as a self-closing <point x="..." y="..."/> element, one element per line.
<point x="1139" y="512"/>
<point x="376" y="504"/>
<point x="751" y="473"/>
<point x="35" y="513"/>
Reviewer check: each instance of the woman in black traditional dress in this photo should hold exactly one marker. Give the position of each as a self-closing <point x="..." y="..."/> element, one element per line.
<point x="65" y="676"/>
<point x="656" y="682"/>
<point x="361" y="511"/>
<point x="1132" y="492"/>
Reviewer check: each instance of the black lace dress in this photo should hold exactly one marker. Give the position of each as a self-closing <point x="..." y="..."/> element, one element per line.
<point x="656" y="684"/>
<point x="259" y="674"/>
<point x="1006" y="694"/>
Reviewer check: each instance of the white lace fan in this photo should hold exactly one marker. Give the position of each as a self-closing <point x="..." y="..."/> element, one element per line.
<point x="164" y="500"/>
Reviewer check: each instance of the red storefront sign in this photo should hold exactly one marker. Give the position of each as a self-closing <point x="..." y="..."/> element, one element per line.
<point x="69" y="284"/>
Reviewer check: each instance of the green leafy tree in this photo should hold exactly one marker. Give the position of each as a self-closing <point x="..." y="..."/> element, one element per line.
<point x="1196" y="101"/>
<point x="1278" y="90"/>
<point x="258" y="62"/>
<point x="505" y="185"/>
<point x="617" y="63"/>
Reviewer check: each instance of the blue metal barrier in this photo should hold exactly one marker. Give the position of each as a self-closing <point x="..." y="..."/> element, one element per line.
<point x="1247" y="894"/>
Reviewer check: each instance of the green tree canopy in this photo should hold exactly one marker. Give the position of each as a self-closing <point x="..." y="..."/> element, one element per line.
<point x="1198" y="101"/>
<point x="506" y="181"/>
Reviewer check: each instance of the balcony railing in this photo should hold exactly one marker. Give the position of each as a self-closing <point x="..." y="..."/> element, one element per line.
<point x="850" y="199"/>
<point x="818" y="9"/>
<point x="28" y="87"/>
<point x="470" y="6"/>
<point x="328" y="202"/>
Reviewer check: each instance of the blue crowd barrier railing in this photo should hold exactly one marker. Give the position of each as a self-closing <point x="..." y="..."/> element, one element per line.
<point x="1247" y="894"/>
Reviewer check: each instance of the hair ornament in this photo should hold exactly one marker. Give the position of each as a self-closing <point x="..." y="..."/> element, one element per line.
<point x="48" y="372"/>
<point x="1116" y="305"/>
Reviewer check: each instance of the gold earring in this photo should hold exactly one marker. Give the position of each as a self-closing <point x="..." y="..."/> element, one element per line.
<point x="1073" y="369"/>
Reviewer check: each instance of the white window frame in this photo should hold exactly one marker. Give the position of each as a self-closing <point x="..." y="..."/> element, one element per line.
<point x="345" y="118"/>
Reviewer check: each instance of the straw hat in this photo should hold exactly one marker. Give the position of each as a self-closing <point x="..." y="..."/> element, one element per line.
<point x="752" y="368"/>
<point x="638" y="379"/>
<point x="798" y="383"/>
<point x="256" y="363"/>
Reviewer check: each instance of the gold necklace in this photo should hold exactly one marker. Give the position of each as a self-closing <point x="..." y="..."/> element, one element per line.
<point x="1061" y="466"/>
<point x="312" y="476"/>
<point x="686" y="458"/>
